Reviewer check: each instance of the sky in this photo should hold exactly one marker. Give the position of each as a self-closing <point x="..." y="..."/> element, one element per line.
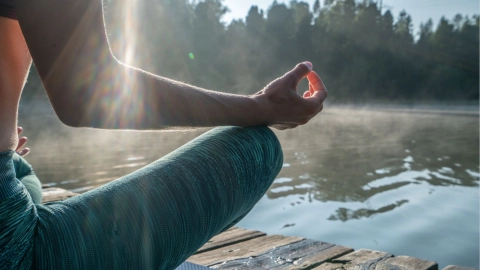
<point x="419" y="10"/>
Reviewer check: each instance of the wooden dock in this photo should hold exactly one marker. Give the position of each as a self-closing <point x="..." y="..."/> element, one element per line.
<point x="249" y="249"/>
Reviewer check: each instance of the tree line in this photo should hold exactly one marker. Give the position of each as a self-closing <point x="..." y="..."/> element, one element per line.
<point x="362" y="51"/>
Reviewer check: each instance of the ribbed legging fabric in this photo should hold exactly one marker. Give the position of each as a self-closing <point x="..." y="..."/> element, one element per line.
<point x="154" y="218"/>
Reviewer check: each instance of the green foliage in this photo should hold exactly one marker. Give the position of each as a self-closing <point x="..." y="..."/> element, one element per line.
<point x="361" y="52"/>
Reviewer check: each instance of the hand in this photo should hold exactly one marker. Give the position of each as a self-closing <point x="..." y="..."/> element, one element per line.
<point x="21" y="143"/>
<point x="284" y="107"/>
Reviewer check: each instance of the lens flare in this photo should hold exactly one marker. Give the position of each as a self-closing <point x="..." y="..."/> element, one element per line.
<point x="120" y="101"/>
<point x="191" y="55"/>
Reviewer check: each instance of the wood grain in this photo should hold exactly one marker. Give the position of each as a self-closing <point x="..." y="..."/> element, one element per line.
<point x="405" y="263"/>
<point x="246" y="249"/>
<point x="232" y="236"/>
<point x="329" y="266"/>
<point x="363" y="256"/>
<point x="362" y="259"/>
<point x="453" y="267"/>
<point x="286" y="257"/>
<point x="314" y="260"/>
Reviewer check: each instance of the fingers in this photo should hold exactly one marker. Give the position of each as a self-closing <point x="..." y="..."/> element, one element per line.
<point x="317" y="98"/>
<point x="24" y="152"/>
<point x="21" y="143"/>
<point x="311" y="89"/>
<point x="284" y="126"/>
<point x="298" y="73"/>
<point x="315" y="82"/>
<point x="296" y="110"/>
<point x="317" y="90"/>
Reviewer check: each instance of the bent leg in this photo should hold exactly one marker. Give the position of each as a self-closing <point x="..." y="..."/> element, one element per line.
<point x="24" y="173"/>
<point x="18" y="218"/>
<point x="155" y="218"/>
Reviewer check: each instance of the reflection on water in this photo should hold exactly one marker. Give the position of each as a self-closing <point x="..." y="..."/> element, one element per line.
<point x="401" y="182"/>
<point x="406" y="183"/>
<point x="345" y="214"/>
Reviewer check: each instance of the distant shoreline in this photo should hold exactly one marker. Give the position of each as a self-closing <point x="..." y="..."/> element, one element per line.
<point x="467" y="108"/>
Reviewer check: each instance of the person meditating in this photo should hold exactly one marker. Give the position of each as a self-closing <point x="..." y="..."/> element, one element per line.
<point x="156" y="217"/>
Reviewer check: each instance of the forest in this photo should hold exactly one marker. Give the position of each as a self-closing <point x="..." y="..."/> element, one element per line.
<point x="362" y="51"/>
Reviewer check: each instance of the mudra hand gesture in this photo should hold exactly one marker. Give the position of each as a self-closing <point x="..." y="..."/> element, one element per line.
<point x="285" y="108"/>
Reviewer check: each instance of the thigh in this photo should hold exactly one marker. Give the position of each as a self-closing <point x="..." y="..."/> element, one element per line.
<point x="158" y="216"/>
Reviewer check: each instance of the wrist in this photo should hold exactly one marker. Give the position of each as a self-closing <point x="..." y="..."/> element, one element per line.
<point x="262" y="111"/>
<point x="8" y="142"/>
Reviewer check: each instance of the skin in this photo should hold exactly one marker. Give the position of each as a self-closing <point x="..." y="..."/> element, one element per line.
<point x="21" y="143"/>
<point x="88" y="87"/>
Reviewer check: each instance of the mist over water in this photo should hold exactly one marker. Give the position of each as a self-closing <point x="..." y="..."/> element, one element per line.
<point x="401" y="180"/>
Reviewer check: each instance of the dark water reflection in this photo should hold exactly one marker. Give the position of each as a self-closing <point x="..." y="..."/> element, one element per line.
<point x="398" y="181"/>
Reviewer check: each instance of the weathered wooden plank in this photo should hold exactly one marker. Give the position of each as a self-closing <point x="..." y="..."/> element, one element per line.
<point x="278" y="256"/>
<point x="301" y="249"/>
<point x="299" y="255"/>
<point x="56" y="194"/>
<point x="232" y="236"/>
<point x="362" y="259"/>
<point x="245" y="249"/>
<point x="454" y="267"/>
<point x="314" y="260"/>
<point x="261" y="262"/>
<point x="406" y="263"/>
<point x="329" y="266"/>
<point x="363" y="256"/>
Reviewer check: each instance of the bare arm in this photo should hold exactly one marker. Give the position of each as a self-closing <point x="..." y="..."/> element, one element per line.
<point x="88" y="87"/>
<point x="14" y="64"/>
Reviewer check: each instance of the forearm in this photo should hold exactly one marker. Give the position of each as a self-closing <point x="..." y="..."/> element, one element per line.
<point x="14" y="64"/>
<point x="178" y="104"/>
<point x="129" y="98"/>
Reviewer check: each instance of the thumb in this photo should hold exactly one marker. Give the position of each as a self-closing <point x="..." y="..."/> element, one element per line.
<point x="300" y="71"/>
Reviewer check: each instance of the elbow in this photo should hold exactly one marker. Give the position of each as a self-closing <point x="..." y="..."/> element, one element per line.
<point x="79" y="105"/>
<point x="69" y="115"/>
<point x="70" y="121"/>
<point x="70" y="111"/>
<point x="85" y="104"/>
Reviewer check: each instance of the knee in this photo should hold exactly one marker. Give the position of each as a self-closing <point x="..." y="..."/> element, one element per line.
<point x="257" y="144"/>
<point x="24" y="173"/>
<point x="266" y="145"/>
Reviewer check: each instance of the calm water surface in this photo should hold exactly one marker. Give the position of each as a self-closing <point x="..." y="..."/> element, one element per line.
<point x="405" y="182"/>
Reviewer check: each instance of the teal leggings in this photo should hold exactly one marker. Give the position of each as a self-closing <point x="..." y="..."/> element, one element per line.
<point x="154" y="218"/>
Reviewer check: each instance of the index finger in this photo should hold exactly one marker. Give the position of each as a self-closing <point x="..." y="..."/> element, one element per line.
<point x="316" y="81"/>
<point x="316" y="100"/>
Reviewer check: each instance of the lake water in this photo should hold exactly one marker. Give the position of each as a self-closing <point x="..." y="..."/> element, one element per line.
<point x="397" y="180"/>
